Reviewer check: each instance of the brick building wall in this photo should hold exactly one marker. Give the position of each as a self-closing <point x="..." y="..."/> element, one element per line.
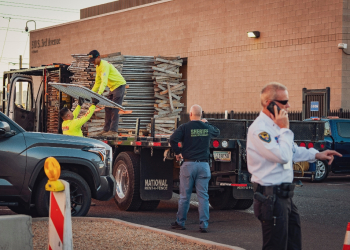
<point x="226" y="69"/>
<point x="345" y="90"/>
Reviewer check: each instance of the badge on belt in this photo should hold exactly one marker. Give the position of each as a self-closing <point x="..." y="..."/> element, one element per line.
<point x="264" y="136"/>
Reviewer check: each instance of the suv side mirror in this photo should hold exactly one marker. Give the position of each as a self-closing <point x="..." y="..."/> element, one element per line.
<point x="4" y="128"/>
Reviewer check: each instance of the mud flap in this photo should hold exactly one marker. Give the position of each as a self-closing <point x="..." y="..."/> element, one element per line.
<point x="243" y="192"/>
<point x="156" y="177"/>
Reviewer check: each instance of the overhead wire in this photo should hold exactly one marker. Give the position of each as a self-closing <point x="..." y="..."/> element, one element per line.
<point x="24" y="58"/>
<point x="36" y="18"/>
<point x="27" y="19"/>
<point x="13" y="30"/>
<point x="18" y="17"/>
<point x="40" y="7"/>
<point x="10" y="28"/>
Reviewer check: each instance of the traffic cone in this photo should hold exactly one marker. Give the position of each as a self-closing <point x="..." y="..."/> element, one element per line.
<point x="347" y="238"/>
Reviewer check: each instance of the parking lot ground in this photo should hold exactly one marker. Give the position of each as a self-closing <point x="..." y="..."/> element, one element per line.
<point x="323" y="207"/>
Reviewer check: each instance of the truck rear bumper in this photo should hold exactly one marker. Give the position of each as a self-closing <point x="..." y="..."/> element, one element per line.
<point x="106" y="190"/>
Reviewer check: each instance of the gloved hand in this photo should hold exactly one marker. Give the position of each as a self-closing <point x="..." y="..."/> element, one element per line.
<point x="94" y="101"/>
<point x="81" y="101"/>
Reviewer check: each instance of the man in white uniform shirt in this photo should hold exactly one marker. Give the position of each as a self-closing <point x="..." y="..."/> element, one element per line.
<point x="270" y="155"/>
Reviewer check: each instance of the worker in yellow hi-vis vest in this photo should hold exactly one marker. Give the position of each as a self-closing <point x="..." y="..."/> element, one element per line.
<point x="71" y="125"/>
<point x="108" y="75"/>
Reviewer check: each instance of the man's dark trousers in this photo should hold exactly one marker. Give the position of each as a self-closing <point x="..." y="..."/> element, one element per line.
<point x="286" y="234"/>
<point x="112" y="114"/>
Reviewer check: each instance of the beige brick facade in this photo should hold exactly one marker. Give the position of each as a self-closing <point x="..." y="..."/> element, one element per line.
<point x="226" y="69"/>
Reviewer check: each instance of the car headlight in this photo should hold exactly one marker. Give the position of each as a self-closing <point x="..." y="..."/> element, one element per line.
<point x="101" y="152"/>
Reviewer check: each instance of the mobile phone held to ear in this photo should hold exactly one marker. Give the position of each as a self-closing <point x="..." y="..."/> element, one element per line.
<point x="271" y="108"/>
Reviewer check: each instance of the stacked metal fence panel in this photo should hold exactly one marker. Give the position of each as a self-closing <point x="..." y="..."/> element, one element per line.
<point x="139" y="97"/>
<point x="168" y="91"/>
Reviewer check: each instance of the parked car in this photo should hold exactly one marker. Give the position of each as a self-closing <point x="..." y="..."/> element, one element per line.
<point x="336" y="137"/>
<point x="85" y="163"/>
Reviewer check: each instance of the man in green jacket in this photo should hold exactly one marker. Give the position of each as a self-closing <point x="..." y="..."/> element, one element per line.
<point x="71" y="125"/>
<point x="108" y="75"/>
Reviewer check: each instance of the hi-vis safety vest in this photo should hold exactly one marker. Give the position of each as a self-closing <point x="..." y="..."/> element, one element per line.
<point x="107" y="75"/>
<point x="73" y="127"/>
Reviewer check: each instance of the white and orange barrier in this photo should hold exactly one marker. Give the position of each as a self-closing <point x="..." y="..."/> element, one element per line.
<point x="347" y="238"/>
<point x="60" y="221"/>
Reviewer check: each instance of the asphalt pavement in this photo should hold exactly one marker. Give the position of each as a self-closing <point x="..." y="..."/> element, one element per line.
<point x="323" y="207"/>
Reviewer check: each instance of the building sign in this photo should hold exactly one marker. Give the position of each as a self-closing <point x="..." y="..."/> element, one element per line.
<point x="314" y="106"/>
<point x="36" y="44"/>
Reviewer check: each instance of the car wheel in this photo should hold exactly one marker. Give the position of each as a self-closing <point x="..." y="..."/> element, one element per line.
<point x="321" y="171"/>
<point x="126" y="171"/>
<point x="80" y="195"/>
<point x="222" y="200"/>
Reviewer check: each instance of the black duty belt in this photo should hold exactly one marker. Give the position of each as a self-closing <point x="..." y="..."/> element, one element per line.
<point x="285" y="190"/>
<point x="188" y="160"/>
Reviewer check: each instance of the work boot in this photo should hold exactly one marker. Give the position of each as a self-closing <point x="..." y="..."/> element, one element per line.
<point x="99" y="134"/>
<point x="203" y="230"/>
<point x="174" y="225"/>
<point x="113" y="134"/>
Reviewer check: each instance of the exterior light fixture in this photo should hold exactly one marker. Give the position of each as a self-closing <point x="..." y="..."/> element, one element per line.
<point x="26" y="28"/>
<point x="255" y="34"/>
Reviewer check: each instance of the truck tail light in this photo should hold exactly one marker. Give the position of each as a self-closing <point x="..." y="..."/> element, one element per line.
<point x="216" y="143"/>
<point x="138" y="143"/>
<point x="310" y="145"/>
<point x="224" y="144"/>
<point x="302" y="144"/>
<point x="157" y="144"/>
<point x="322" y="146"/>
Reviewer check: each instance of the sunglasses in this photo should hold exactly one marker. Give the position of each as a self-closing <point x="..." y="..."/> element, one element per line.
<point x="282" y="102"/>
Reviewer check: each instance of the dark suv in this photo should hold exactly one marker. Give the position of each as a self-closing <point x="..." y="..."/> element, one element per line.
<point x="85" y="163"/>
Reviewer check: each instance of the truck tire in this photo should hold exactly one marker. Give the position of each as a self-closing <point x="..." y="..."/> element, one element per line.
<point x="79" y="191"/>
<point x="126" y="171"/>
<point x="321" y="171"/>
<point x="222" y="200"/>
<point x="149" y="205"/>
<point x="243" y="204"/>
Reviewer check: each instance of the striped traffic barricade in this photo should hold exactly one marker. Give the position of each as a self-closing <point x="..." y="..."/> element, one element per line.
<point x="60" y="221"/>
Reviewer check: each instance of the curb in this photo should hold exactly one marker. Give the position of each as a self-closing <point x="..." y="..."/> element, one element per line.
<point x="177" y="236"/>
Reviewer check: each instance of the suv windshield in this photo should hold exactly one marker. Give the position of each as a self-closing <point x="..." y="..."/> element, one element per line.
<point x="343" y="129"/>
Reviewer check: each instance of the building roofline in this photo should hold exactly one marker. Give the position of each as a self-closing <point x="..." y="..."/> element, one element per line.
<point x="102" y="15"/>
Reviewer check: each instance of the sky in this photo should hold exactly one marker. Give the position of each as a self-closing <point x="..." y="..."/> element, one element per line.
<point x="14" y="14"/>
